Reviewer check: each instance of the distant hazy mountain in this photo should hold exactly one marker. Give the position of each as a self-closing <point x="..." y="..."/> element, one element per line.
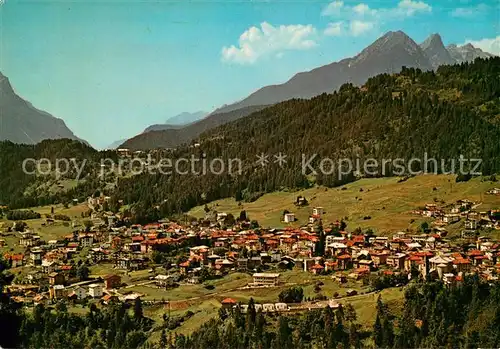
<point x="173" y="137"/>
<point x="115" y="144"/>
<point x="435" y="51"/>
<point x="388" y="54"/>
<point x="466" y="53"/>
<point x="20" y="122"/>
<point x="186" y="118"/>
<point x="178" y="121"/>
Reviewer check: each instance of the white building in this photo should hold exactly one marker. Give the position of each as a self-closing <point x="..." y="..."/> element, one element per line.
<point x="471" y="224"/>
<point x="48" y="266"/>
<point x="451" y="218"/>
<point x="289" y="217"/>
<point x="330" y="239"/>
<point x="317" y="211"/>
<point x="266" y="279"/>
<point x="80" y="292"/>
<point x="95" y="290"/>
<point x="86" y="240"/>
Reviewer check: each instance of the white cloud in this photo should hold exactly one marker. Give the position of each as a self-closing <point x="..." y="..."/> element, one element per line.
<point x="361" y="19"/>
<point x="404" y="8"/>
<point x="256" y="43"/>
<point x="363" y="9"/>
<point x="413" y="7"/>
<point x="334" y="29"/>
<point x="333" y="8"/>
<point x="465" y="12"/>
<point x="487" y="45"/>
<point x="360" y="27"/>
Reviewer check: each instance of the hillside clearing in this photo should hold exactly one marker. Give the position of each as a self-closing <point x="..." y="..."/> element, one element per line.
<point x="386" y="200"/>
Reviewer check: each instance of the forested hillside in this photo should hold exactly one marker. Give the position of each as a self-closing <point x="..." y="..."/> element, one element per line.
<point x="435" y="316"/>
<point x="451" y="112"/>
<point x="447" y="113"/>
<point x="22" y="189"/>
<point x="170" y="136"/>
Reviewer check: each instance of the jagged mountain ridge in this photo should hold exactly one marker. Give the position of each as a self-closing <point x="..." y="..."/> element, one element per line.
<point x="435" y="51"/>
<point x="387" y="54"/>
<point x="466" y="53"/>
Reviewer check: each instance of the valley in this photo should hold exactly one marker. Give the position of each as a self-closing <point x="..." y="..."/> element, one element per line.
<point x="332" y="182"/>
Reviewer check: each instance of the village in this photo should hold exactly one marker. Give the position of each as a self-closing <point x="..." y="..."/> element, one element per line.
<point x="105" y="261"/>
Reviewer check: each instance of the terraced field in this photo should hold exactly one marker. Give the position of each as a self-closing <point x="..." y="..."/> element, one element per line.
<point x="386" y="201"/>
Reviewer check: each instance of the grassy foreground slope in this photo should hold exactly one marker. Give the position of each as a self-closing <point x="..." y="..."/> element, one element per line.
<point x="205" y="304"/>
<point x="388" y="202"/>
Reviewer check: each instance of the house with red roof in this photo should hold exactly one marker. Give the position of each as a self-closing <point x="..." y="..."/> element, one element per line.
<point x="413" y="261"/>
<point x="228" y="303"/>
<point x="184" y="266"/>
<point x="15" y="260"/>
<point x="317" y="269"/>
<point x="331" y="265"/>
<point x="344" y="261"/>
<point x="137" y="238"/>
<point x="461" y="264"/>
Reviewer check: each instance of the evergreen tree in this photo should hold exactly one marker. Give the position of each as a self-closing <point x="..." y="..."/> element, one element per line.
<point x="138" y="313"/>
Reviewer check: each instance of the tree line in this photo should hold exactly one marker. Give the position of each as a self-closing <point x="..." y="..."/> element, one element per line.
<point x="445" y="113"/>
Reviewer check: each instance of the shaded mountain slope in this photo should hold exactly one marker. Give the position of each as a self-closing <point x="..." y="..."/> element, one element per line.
<point x="20" y="122"/>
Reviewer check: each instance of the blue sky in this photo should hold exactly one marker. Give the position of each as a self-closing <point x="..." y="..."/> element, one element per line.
<point x="111" y="68"/>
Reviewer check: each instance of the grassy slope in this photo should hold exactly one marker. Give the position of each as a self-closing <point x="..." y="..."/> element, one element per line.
<point x="206" y="303"/>
<point x="48" y="232"/>
<point x="397" y="198"/>
<point x="207" y="308"/>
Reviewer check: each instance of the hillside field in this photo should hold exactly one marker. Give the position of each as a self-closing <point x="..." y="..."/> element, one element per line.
<point x="55" y="230"/>
<point x="205" y="304"/>
<point x="388" y="202"/>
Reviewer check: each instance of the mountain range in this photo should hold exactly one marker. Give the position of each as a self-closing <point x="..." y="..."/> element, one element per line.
<point x="448" y="114"/>
<point x="388" y="54"/>
<point x="21" y="122"/>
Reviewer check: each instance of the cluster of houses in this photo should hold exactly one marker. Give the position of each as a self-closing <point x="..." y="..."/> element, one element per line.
<point x="462" y="210"/>
<point x="262" y="252"/>
<point x="279" y="307"/>
<point x="59" y="288"/>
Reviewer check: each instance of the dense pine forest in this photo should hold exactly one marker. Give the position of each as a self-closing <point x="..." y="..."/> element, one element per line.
<point x="445" y="113"/>
<point x="434" y="316"/>
<point x="19" y="189"/>
<point x="462" y="316"/>
<point x="451" y="112"/>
